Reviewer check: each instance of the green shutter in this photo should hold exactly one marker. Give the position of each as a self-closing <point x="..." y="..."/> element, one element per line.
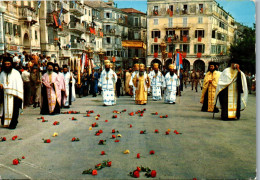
<point x="203" y="33"/>
<point x="196" y="33"/>
<point x="188" y="48"/>
<point x="5" y="23"/>
<point x="180" y="47"/>
<point x="151" y="49"/>
<point x="19" y="30"/>
<point x="195" y="48"/>
<point x="14" y="29"/>
<point x="203" y="48"/>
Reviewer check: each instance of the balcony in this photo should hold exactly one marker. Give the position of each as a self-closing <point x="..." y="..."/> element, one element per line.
<point x="76" y="9"/>
<point x="185" y="11"/>
<point x="177" y="39"/>
<point x="25" y="12"/>
<point x="65" y="7"/>
<point x="78" y="46"/>
<point x="76" y="28"/>
<point x="110" y="32"/>
<point x="64" y="53"/>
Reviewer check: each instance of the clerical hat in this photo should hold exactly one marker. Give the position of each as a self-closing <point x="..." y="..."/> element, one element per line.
<point x="50" y="63"/>
<point x="64" y="66"/>
<point x="234" y="61"/>
<point x="171" y="66"/>
<point x="8" y="59"/>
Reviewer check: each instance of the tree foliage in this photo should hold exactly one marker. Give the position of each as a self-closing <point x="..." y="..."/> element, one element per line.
<point x="244" y="49"/>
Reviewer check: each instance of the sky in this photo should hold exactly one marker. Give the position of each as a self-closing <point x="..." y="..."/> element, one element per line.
<point x="242" y="10"/>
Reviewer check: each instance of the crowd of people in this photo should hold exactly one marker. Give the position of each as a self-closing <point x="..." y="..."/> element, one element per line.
<point x="36" y="81"/>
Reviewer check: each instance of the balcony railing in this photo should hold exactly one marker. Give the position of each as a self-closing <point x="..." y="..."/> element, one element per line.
<point x="64" y="31"/>
<point x="77" y="46"/>
<point x="176" y="39"/>
<point x="110" y="32"/>
<point x="64" y="53"/>
<point x="76" y="9"/>
<point x="24" y="12"/>
<point x="76" y="27"/>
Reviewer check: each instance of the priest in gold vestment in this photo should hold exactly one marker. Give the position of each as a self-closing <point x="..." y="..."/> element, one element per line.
<point x="209" y="89"/>
<point x="141" y="82"/>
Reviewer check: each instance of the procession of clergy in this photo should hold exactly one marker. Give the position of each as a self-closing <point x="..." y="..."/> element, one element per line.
<point x="226" y="90"/>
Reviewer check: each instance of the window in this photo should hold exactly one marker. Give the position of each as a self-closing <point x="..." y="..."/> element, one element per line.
<point x="200" y="20"/>
<point x="170" y="33"/>
<point x="10" y="28"/>
<point x="170" y="22"/>
<point x="185" y="48"/>
<point x="170" y="48"/>
<point x="136" y="21"/>
<point x="185" y="9"/>
<point x="199" y="33"/>
<point x="108" y="40"/>
<point x="199" y="48"/>
<point x="201" y="8"/>
<point x="109" y="53"/>
<point x="36" y="35"/>
<point x="19" y="30"/>
<point x="156" y="34"/>
<point x="213" y="49"/>
<point x="15" y="29"/>
<point x="108" y="15"/>
<point x="219" y="36"/>
<point x="185" y="19"/>
<point x="155" y="8"/>
<point x="155" y="48"/>
<point x="89" y="13"/>
<point x="136" y="52"/>
<point x="85" y="12"/>
<point x="213" y="34"/>
<point x="144" y="24"/>
<point x="136" y="35"/>
<point x="50" y="35"/>
<point x="171" y="8"/>
<point x="155" y="21"/>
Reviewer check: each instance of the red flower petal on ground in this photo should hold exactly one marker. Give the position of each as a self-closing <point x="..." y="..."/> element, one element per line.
<point x="13" y="138"/>
<point x="23" y="157"/>
<point x="117" y="140"/>
<point x="42" y="117"/>
<point x="103" y="153"/>
<point x="156" y="131"/>
<point x="16" y="137"/>
<point x="73" y="139"/>
<point x="113" y="130"/>
<point x="166" y="115"/>
<point x="141" y="114"/>
<point x="138" y="169"/>
<point x="141" y="132"/>
<point x="4" y="139"/>
<point x="109" y="163"/>
<point x="88" y="115"/>
<point x="15" y="162"/>
<point x="94" y="172"/>
<point x="136" y="174"/>
<point x="153" y="173"/>
<point x="152" y="152"/>
<point x="156" y="113"/>
<point x="138" y="155"/>
<point x="167" y="132"/>
<point x="100" y="131"/>
<point x="98" y="115"/>
<point x="97" y="134"/>
<point x="113" y="136"/>
<point x="160" y="116"/>
<point x="106" y="120"/>
<point x="131" y="125"/>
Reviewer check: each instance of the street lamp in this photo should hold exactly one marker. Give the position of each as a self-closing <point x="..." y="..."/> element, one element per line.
<point x="101" y="56"/>
<point x="163" y="50"/>
<point x="29" y="19"/>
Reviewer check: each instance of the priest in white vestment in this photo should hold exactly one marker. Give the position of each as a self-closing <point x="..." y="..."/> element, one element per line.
<point x="69" y="87"/>
<point x="107" y="80"/>
<point x="11" y="86"/>
<point x="131" y="84"/>
<point x="231" y="93"/>
<point x="171" y="82"/>
<point x="157" y="80"/>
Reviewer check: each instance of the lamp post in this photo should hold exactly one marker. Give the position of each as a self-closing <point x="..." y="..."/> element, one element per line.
<point x="101" y="57"/>
<point x="90" y="56"/>
<point x="29" y="19"/>
<point x="163" y="50"/>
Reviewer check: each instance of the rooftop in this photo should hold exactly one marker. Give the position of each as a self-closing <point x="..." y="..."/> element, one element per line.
<point x="131" y="10"/>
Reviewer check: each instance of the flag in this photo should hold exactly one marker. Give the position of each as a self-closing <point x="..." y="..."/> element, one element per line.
<point x="39" y="5"/>
<point x="60" y="15"/>
<point x="86" y="60"/>
<point x="179" y="61"/>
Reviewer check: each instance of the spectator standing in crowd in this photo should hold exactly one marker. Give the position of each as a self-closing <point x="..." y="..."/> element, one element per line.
<point x="26" y="86"/>
<point x="11" y="96"/>
<point x="35" y="78"/>
<point x="62" y="83"/>
<point x="118" y="85"/>
<point x="85" y="84"/>
<point x="249" y="80"/>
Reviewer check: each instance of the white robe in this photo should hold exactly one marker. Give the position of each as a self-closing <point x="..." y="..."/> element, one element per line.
<point x="131" y="82"/>
<point x="170" y="83"/>
<point x="13" y="86"/>
<point x="107" y="83"/>
<point x="156" y="84"/>
<point x="73" y="93"/>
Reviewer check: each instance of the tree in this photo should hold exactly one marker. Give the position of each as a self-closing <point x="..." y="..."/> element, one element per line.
<point x="244" y="49"/>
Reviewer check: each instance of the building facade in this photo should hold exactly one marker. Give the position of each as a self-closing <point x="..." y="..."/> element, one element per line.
<point x="202" y="30"/>
<point x="137" y="36"/>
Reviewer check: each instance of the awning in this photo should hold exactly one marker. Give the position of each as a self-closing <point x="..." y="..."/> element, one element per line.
<point x="133" y="44"/>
